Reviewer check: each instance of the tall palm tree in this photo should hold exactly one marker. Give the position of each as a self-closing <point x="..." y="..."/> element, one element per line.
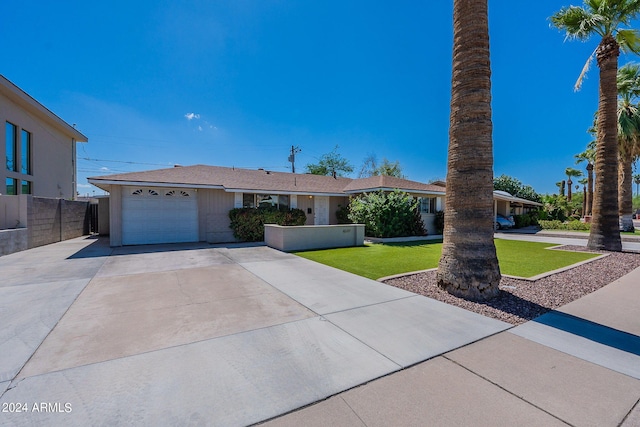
<point x="469" y="266"/>
<point x="589" y="156"/>
<point x="636" y="181"/>
<point x="571" y="173"/>
<point x="584" y="182"/>
<point x="604" y="18"/>
<point x="628" y="140"/>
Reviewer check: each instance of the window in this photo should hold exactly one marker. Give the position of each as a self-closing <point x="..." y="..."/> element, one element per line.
<point x="12" y="186"/>
<point x="25" y="152"/>
<point x="26" y="187"/>
<point x="427" y="205"/>
<point x="250" y="200"/>
<point x="11" y="139"/>
<point x="283" y="202"/>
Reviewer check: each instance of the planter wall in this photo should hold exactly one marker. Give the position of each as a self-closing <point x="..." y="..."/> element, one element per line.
<point x="308" y="237"/>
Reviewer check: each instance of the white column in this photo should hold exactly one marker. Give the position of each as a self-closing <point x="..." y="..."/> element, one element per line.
<point x="237" y="200"/>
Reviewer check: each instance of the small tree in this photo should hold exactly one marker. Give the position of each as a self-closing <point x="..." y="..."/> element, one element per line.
<point x="371" y="167"/>
<point x="387" y="214"/>
<point x="331" y="164"/>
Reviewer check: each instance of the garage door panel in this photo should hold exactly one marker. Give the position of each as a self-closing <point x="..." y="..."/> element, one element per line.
<point x="152" y="215"/>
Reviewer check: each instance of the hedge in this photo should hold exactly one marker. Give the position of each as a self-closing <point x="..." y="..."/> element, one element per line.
<point x="558" y="225"/>
<point x="387" y="214"/>
<point x="248" y="223"/>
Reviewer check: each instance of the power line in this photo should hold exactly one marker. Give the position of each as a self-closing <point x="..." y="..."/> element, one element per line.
<point x="124" y="161"/>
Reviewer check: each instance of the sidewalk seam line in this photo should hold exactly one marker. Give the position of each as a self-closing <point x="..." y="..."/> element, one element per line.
<point x="504" y="389"/>
<point x="636" y="405"/>
<point x="352" y="410"/>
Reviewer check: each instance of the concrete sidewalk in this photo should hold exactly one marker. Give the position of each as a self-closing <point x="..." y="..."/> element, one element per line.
<point x="197" y="334"/>
<point x="579" y="365"/>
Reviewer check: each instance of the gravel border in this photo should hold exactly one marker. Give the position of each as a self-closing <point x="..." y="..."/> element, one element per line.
<point x="522" y="300"/>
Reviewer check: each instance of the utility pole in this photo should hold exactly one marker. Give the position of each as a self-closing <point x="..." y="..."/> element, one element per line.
<point x="292" y="157"/>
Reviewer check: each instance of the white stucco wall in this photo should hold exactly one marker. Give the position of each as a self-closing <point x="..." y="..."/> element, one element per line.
<point x="307" y="237"/>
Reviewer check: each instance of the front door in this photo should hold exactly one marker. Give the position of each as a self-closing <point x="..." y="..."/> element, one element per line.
<point x="321" y="209"/>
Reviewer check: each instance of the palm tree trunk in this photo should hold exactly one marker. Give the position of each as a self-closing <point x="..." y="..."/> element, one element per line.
<point x="625" y="192"/>
<point x="468" y="266"/>
<point x="605" y="234"/>
<point x="589" y="188"/>
<point x="569" y="184"/>
<point x="584" y="200"/>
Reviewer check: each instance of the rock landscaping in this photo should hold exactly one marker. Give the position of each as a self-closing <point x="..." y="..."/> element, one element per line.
<point x="522" y="300"/>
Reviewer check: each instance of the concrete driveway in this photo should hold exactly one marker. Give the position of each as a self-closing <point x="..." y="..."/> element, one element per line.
<point x="197" y="334"/>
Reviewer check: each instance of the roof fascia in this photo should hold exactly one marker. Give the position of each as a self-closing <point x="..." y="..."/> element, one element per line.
<point x="364" y="190"/>
<point x="96" y="182"/>
<point x="26" y="101"/>
<point x="292" y="193"/>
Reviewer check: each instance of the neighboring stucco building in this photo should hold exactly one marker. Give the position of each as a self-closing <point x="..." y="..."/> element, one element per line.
<point x="39" y="148"/>
<point x="192" y="203"/>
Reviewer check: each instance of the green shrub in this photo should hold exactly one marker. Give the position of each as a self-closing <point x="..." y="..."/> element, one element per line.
<point x="248" y="223"/>
<point x="559" y="225"/>
<point x="438" y="222"/>
<point x="525" y="220"/>
<point x="387" y="214"/>
<point x="522" y="220"/>
<point x="342" y="215"/>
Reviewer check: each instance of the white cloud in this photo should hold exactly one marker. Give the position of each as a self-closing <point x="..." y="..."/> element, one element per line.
<point x="191" y="116"/>
<point x="104" y="168"/>
<point x="200" y="128"/>
<point x="85" y="186"/>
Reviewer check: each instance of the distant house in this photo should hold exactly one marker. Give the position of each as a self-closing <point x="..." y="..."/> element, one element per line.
<point x="506" y="204"/>
<point x="39" y="148"/>
<point x="192" y="203"/>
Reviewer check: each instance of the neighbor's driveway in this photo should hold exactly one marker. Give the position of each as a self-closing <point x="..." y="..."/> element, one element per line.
<point x="197" y="334"/>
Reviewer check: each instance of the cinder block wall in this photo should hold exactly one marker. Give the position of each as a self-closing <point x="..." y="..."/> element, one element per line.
<point x="43" y="221"/>
<point x="54" y="220"/>
<point x="75" y="219"/>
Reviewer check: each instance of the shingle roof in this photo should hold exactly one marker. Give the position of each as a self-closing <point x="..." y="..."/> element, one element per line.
<point x="232" y="179"/>
<point x="386" y="182"/>
<point x="262" y="180"/>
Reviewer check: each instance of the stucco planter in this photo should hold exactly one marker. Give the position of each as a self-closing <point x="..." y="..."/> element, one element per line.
<point x="308" y="237"/>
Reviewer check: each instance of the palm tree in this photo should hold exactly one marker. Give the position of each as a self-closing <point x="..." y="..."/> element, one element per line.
<point x="560" y="185"/>
<point x="628" y="140"/>
<point x="469" y="266"/>
<point x="571" y="172"/>
<point x="589" y="156"/>
<point x="636" y="181"/>
<point x="604" y="18"/>
<point x="584" y="182"/>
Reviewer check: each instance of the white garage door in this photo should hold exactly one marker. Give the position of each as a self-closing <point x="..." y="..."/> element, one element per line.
<point x="159" y="215"/>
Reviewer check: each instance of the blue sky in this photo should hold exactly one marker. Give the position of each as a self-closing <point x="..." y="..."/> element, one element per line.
<point x="236" y="83"/>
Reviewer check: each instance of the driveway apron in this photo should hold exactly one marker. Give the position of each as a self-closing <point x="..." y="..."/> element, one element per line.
<point x="202" y="334"/>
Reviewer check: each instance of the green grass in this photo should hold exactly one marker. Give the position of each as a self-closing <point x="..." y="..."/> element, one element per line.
<point x="517" y="258"/>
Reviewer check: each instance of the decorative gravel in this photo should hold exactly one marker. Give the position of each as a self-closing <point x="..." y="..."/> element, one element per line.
<point x="522" y="300"/>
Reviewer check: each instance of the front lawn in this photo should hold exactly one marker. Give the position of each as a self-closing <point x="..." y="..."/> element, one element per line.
<point x="517" y="258"/>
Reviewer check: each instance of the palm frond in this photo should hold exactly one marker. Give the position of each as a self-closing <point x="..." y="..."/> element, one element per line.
<point x="584" y="71"/>
<point x="630" y="10"/>
<point x="629" y="40"/>
<point x="628" y="80"/>
<point x="577" y="22"/>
